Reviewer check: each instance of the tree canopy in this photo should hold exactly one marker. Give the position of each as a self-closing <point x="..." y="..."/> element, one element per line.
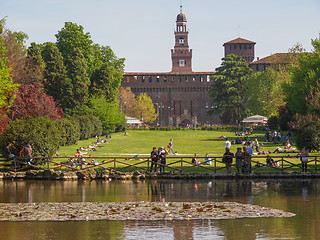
<point x="228" y="88"/>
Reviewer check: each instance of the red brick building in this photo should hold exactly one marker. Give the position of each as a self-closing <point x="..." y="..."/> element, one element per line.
<point x="241" y="47"/>
<point x="180" y="96"/>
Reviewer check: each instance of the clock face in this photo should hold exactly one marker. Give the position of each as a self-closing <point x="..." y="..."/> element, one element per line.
<point x="181" y="41"/>
<point x="181" y="63"/>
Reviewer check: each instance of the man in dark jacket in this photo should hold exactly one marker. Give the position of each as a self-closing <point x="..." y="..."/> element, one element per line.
<point x="154" y="159"/>
<point x="227" y="159"/>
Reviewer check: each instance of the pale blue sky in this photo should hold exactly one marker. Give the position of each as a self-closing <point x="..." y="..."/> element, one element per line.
<point x="142" y="30"/>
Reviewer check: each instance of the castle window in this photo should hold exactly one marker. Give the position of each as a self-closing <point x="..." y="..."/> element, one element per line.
<point x="250" y="46"/>
<point x="128" y="79"/>
<point x="234" y="46"/>
<point x="165" y="78"/>
<point x="158" y="79"/>
<point x="257" y="67"/>
<point x="239" y="45"/>
<point x="230" y="46"/>
<point x="143" y="78"/>
<point x="181" y="41"/>
<point x="135" y="79"/>
<point x="181" y="63"/>
<point x="208" y="78"/>
<point x="245" y="46"/>
<point x="150" y="79"/>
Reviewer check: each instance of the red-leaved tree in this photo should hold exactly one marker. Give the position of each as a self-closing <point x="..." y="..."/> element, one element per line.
<point x="32" y="101"/>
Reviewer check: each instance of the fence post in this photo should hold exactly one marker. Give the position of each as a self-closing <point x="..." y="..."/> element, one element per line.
<point x="48" y="163"/>
<point x="315" y="164"/>
<point x="114" y="164"/>
<point x="181" y="161"/>
<point x="148" y="164"/>
<point x="15" y="165"/>
<point x="281" y="164"/>
<point x="215" y="165"/>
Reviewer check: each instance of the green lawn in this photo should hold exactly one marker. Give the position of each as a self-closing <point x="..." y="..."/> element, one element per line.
<point x="186" y="143"/>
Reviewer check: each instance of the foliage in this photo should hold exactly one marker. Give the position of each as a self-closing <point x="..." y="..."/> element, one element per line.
<point x="106" y="81"/>
<point x="86" y="128"/>
<point x="108" y="113"/>
<point x="96" y="124"/>
<point x="308" y="132"/>
<point x="72" y="37"/>
<point x="144" y="109"/>
<point x="126" y="99"/>
<point x="228" y="88"/>
<point x="35" y="66"/>
<point x="304" y="82"/>
<point x="31" y="101"/>
<point x="7" y="88"/>
<point x="264" y="92"/>
<point x="56" y="83"/>
<point x="44" y="135"/>
<point x="273" y="122"/>
<point x="72" y="130"/>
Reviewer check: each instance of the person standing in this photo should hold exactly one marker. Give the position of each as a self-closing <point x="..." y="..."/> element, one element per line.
<point x="154" y="159"/>
<point x="227" y="144"/>
<point x="250" y="152"/>
<point x="304" y="154"/>
<point x="170" y="146"/>
<point x="163" y="160"/>
<point x="239" y="162"/>
<point x="227" y="159"/>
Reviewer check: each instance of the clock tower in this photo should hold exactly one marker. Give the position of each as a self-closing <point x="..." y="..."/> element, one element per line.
<point x="181" y="55"/>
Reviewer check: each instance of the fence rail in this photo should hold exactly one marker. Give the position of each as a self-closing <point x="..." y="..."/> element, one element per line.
<point x="173" y="164"/>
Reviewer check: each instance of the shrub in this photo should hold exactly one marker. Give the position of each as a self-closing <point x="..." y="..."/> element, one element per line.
<point x="96" y="124"/>
<point x="86" y="128"/>
<point x="72" y="130"/>
<point x="44" y="135"/>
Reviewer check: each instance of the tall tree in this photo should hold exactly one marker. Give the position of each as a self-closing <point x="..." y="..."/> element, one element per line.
<point x="79" y="80"/>
<point x="35" y="66"/>
<point x="56" y="82"/>
<point x="126" y="99"/>
<point x="72" y="36"/>
<point x="228" y="88"/>
<point x="144" y="109"/>
<point x="7" y="88"/>
<point x="304" y="82"/>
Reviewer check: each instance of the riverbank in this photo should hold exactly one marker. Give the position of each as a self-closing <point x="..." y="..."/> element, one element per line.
<point x="116" y="175"/>
<point x="133" y="211"/>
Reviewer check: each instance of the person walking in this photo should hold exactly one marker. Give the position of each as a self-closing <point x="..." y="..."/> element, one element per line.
<point x="170" y="146"/>
<point x="227" y="144"/>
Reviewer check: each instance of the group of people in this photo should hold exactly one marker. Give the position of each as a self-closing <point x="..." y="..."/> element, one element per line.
<point x="242" y="156"/>
<point x="158" y="158"/>
<point x="25" y="154"/>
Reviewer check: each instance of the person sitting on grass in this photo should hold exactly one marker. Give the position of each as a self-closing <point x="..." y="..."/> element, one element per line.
<point x="194" y="160"/>
<point x="270" y="161"/>
<point x="207" y="160"/>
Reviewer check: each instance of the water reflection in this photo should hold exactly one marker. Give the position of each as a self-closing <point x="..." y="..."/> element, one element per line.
<point x="297" y="196"/>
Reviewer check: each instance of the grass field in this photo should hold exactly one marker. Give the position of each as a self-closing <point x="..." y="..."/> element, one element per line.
<point x="186" y="143"/>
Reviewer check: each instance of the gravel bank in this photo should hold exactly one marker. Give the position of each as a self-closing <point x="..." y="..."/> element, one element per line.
<point x="133" y="211"/>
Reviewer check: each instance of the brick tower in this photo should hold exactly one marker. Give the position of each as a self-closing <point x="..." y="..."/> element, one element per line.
<point x="181" y="54"/>
<point x="241" y="47"/>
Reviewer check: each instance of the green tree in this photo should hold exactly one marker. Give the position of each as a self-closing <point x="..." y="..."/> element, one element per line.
<point x="264" y="92"/>
<point x="106" y="81"/>
<point x="144" y="109"/>
<point x="228" y="88"/>
<point x="79" y="80"/>
<point x="72" y="36"/>
<point x="35" y="66"/>
<point x="7" y="88"/>
<point x="304" y="84"/>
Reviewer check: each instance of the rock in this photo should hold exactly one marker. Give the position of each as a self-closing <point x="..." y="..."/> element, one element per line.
<point x="83" y="175"/>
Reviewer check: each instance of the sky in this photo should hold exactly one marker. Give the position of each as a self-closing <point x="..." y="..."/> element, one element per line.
<point x="142" y="31"/>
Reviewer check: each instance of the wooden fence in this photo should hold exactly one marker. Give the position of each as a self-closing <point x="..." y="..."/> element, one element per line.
<point x="173" y="164"/>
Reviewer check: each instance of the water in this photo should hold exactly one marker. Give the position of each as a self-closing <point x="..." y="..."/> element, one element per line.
<point x="301" y="197"/>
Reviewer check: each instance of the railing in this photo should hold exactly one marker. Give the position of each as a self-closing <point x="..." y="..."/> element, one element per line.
<point x="173" y="164"/>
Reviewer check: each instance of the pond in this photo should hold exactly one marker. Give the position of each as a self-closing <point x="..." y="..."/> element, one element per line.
<point x="301" y="197"/>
